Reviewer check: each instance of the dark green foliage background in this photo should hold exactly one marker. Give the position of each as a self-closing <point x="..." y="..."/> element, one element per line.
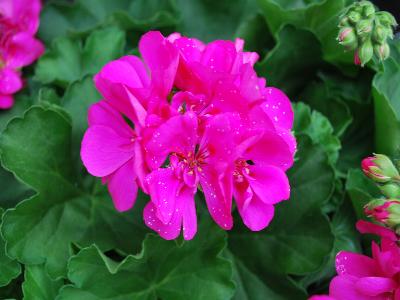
<point x="62" y="239"/>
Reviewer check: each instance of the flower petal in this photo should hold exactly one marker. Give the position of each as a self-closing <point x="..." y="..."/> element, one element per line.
<point x="277" y="106"/>
<point x="178" y="134"/>
<point x="269" y="183"/>
<point x="217" y="188"/>
<point x="374" y="286"/>
<point x="104" y="150"/>
<point x="22" y="50"/>
<point x="348" y="263"/>
<point x="122" y="186"/>
<point x="10" y="81"/>
<point x="6" y="101"/>
<point x="343" y="288"/>
<point x="163" y="187"/>
<point x="162" y="58"/>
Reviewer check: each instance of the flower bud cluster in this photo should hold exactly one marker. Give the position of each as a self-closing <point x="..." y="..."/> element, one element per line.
<point x="366" y="31"/>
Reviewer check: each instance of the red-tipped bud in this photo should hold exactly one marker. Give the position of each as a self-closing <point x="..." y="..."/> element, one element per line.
<point x="379" y="168"/>
<point x="384" y="211"/>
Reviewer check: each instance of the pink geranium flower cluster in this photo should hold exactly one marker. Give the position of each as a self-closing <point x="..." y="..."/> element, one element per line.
<point x="19" y="22"/>
<point x="189" y="118"/>
<point x="360" y="277"/>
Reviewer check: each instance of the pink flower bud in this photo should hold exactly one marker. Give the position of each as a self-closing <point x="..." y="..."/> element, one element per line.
<point x="384" y="211"/>
<point x="379" y="168"/>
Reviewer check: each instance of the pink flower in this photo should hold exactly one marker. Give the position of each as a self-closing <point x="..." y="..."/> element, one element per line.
<point x="203" y="122"/>
<point x="111" y="150"/>
<point x="193" y="160"/>
<point x="367" y="278"/>
<point x="19" y="21"/>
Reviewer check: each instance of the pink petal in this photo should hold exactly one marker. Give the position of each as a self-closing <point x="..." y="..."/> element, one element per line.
<point x="368" y="227"/>
<point x="256" y="214"/>
<point x="191" y="49"/>
<point x="23" y="13"/>
<point x="178" y="134"/>
<point x="217" y="189"/>
<point x="104" y="150"/>
<point x="22" y="50"/>
<point x="168" y="231"/>
<point x="321" y="297"/>
<point x="10" y="81"/>
<point x="6" y="101"/>
<point x="344" y="288"/>
<point x="219" y="56"/>
<point x="122" y="186"/>
<point x="348" y="263"/>
<point x="116" y="77"/>
<point x="218" y="140"/>
<point x="102" y="113"/>
<point x="162" y="58"/>
<point x="278" y="107"/>
<point x="189" y="213"/>
<point x="184" y="214"/>
<point x="374" y="286"/>
<point x="270" y="149"/>
<point x="163" y="187"/>
<point x="269" y="183"/>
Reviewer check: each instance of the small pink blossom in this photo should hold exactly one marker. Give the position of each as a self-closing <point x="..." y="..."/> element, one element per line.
<point x="19" y="21"/>
<point x="368" y="278"/>
<point x="203" y="122"/>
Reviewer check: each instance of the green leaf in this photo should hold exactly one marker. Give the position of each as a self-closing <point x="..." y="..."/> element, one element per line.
<point x="10" y="268"/>
<point x="163" y="270"/>
<point x="68" y="61"/>
<point x="292" y="244"/>
<point x="209" y="20"/>
<point x="251" y="287"/>
<point x="36" y="148"/>
<point x="346" y="239"/>
<point x="386" y="93"/>
<point x="322" y="98"/>
<point x="59" y="19"/>
<point x="77" y="99"/>
<point x="303" y="62"/>
<point x="361" y="190"/>
<point x="38" y="284"/>
<point x="318" y="127"/>
<point x="321" y="17"/>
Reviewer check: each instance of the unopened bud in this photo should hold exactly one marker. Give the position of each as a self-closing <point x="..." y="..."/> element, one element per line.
<point x="382" y="51"/>
<point x="390" y="190"/>
<point x="379" y="168"/>
<point x="354" y="17"/>
<point x="368" y="9"/>
<point x="384" y="211"/>
<point x="366" y="51"/>
<point x="347" y="37"/>
<point x="364" y="27"/>
<point x="380" y="34"/>
<point x="386" y="18"/>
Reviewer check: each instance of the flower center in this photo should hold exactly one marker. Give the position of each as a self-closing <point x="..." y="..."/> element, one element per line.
<point x="241" y="168"/>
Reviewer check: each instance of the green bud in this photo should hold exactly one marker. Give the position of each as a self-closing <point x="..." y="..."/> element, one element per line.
<point x="344" y="22"/>
<point x="386" y="164"/>
<point x="379" y="34"/>
<point x="390" y="190"/>
<point x="348" y="38"/>
<point x="382" y="51"/>
<point x="368" y="9"/>
<point x="364" y="27"/>
<point x="386" y="18"/>
<point x="354" y="17"/>
<point x="366" y="51"/>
